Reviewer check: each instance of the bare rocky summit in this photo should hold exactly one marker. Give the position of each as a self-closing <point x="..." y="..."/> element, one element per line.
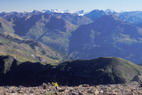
<point x="133" y="88"/>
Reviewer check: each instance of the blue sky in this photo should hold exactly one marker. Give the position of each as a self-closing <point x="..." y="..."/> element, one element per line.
<point x="73" y="5"/>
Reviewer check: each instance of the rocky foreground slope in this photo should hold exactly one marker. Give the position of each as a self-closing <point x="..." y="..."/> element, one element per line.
<point x="47" y="89"/>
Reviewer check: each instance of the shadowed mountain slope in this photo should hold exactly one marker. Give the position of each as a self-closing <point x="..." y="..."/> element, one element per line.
<point x="102" y="70"/>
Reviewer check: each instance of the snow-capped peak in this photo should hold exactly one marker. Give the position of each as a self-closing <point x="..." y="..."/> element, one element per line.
<point x="109" y="11"/>
<point x="80" y="13"/>
<point x="53" y="11"/>
<point x="56" y="11"/>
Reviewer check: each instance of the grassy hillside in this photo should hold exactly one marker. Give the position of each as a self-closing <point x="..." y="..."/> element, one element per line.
<point x="27" y="50"/>
<point x="6" y="26"/>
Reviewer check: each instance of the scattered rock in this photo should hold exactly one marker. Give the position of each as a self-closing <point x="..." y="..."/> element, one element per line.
<point x="137" y="78"/>
<point x="47" y="89"/>
<point x="96" y="92"/>
<point x="44" y="86"/>
<point x="60" y="89"/>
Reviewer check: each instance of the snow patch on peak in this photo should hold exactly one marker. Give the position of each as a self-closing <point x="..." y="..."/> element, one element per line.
<point x="80" y="13"/>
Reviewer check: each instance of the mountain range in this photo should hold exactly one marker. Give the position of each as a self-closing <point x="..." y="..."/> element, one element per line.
<point x="80" y="35"/>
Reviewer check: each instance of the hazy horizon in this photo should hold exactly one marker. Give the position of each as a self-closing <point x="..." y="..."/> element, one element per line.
<point x="72" y="5"/>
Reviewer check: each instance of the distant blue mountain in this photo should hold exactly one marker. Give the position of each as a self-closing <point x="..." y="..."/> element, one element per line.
<point x="133" y="17"/>
<point x="95" y="14"/>
<point x="107" y="36"/>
